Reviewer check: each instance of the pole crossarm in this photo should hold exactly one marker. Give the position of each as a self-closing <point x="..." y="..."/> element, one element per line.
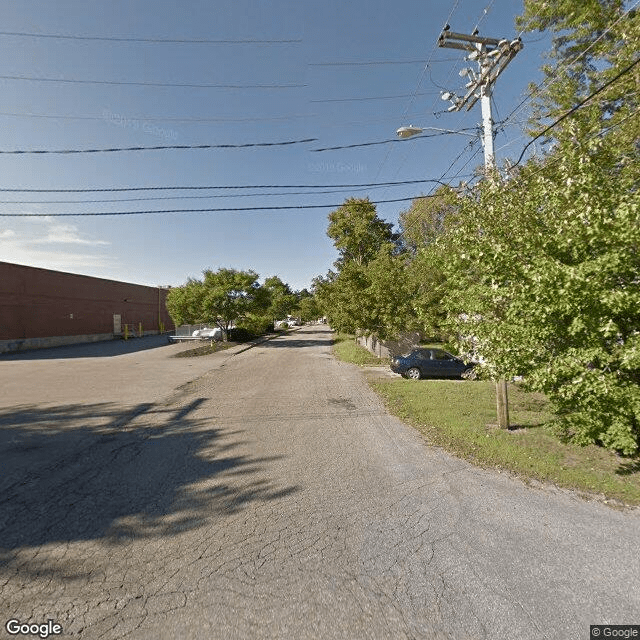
<point x="492" y="54"/>
<point x="452" y="35"/>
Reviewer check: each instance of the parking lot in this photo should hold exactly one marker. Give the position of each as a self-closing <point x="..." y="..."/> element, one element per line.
<point x="115" y="371"/>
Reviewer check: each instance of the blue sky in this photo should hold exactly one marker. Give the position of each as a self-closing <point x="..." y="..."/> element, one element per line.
<point x="283" y="91"/>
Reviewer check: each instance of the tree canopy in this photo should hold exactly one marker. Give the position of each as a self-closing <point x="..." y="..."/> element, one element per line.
<point x="357" y="231"/>
<point x="222" y="297"/>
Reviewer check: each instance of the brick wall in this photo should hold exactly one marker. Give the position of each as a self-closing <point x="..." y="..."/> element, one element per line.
<point x="40" y="303"/>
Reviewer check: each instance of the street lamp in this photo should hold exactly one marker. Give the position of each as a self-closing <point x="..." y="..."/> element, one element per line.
<point x="408" y="132"/>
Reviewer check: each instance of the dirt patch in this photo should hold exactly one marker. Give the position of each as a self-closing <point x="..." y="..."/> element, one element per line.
<point x="205" y="349"/>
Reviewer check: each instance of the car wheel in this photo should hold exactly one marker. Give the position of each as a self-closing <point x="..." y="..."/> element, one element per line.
<point x="469" y="374"/>
<point x="413" y="373"/>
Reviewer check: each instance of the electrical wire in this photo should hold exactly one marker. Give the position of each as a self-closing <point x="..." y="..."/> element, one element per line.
<point x="124" y="121"/>
<point x="403" y="95"/>
<point x="442" y="177"/>
<point x="152" y="40"/>
<point x="216" y="187"/>
<point x="415" y="92"/>
<point x="395" y="140"/>
<point x="484" y="14"/>
<point x="207" y="197"/>
<point x="155" y="84"/>
<point x="159" y="147"/>
<point x="373" y="63"/>
<point x="119" y="118"/>
<point x="212" y="210"/>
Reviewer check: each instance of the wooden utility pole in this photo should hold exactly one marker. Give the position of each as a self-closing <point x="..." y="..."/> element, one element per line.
<point x="492" y="56"/>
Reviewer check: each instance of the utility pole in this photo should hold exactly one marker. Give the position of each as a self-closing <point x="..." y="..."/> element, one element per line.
<point x="492" y="56"/>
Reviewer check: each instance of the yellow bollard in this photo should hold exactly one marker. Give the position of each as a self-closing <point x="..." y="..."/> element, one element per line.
<point x="126" y="331"/>
<point x="139" y="329"/>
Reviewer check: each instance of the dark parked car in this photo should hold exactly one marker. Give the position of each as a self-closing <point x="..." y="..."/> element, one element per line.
<point x="430" y="363"/>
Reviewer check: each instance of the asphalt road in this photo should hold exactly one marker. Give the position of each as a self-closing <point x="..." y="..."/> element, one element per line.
<point x="267" y="494"/>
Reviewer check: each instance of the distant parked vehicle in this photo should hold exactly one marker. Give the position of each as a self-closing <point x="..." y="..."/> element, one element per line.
<point x="208" y="333"/>
<point x="431" y="363"/>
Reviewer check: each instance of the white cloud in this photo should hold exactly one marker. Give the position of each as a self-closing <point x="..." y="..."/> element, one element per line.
<point x="27" y="247"/>
<point x="65" y="234"/>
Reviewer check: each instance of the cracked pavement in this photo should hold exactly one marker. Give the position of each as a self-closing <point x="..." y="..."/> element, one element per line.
<point x="267" y="494"/>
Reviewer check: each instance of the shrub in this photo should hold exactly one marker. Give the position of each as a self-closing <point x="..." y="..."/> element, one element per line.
<point x="241" y="334"/>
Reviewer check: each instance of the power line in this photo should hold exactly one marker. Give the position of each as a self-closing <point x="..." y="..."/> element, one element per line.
<point x="216" y="187"/>
<point x="432" y="194"/>
<point x="124" y="121"/>
<point x="403" y="95"/>
<point x="372" y="63"/>
<point x="207" y="197"/>
<point x="156" y="84"/>
<point x="412" y="97"/>
<point x="433" y="50"/>
<point x="159" y="147"/>
<point x="153" y="40"/>
<point x="394" y="140"/>
<point x="484" y="14"/>
<point x="119" y="118"/>
<point x="214" y="210"/>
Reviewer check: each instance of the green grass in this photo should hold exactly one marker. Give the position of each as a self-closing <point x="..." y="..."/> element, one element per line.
<point x="460" y="417"/>
<point x="347" y="350"/>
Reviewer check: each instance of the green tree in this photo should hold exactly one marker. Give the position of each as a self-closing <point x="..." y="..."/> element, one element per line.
<point x="184" y="303"/>
<point x="542" y="272"/>
<point x="341" y="296"/>
<point x="357" y="231"/>
<point x="428" y="217"/>
<point x="223" y="297"/>
<point x="353" y="297"/>
<point x="282" y="301"/>
<point x="387" y="304"/>
<point x="593" y="40"/>
<point x="309" y="308"/>
<point x="427" y="284"/>
<point x="230" y="295"/>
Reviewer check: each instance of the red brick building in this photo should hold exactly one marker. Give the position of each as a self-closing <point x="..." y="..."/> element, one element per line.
<point x="42" y="308"/>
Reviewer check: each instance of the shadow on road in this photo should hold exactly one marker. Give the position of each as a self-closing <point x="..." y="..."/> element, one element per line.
<point x="105" y="349"/>
<point x="87" y="472"/>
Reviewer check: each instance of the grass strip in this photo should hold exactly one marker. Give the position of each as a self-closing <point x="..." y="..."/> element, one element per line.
<point x="460" y="416"/>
